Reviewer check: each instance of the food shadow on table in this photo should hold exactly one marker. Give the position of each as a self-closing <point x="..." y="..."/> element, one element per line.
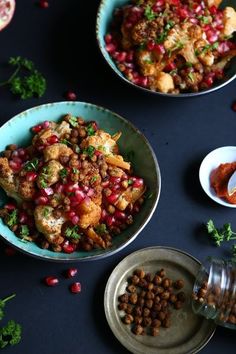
<point x="98" y="313"/>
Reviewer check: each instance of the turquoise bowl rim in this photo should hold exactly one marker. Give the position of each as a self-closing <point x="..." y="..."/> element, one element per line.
<point x="117" y="71"/>
<point x="66" y="258"/>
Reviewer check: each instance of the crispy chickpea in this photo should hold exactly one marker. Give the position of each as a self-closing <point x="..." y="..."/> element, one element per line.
<point x="146" y="321"/>
<point x="140" y="301"/>
<point x="202" y="292"/>
<point x="138" y="311"/>
<point x="157" y="307"/>
<point x="143" y="283"/>
<point x="128" y="319"/>
<point x="140" y="273"/>
<point x="149" y="303"/>
<point x="166" y="283"/>
<point x="179" y="284"/>
<point x="146" y="312"/>
<point x="148" y="277"/>
<point x="124" y="298"/>
<point x="134" y="279"/>
<point x="131" y="288"/>
<point x="173" y="298"/>
<point x="138" y="329"/>
<point x="150" y="286"/>
<point x="138" y="320"/>
<point x="133" y="298"/>
<point x="122" y="306"/>
<point x="129" y="309"/>
<point x="166" y="323"/>
<point x="161" y="273"/>
<point x="154" y="331"/>
<point x="160" y="290"/>
<point x="157" y="280"/>
<point x="149" y="295"/>
<point x="156" y="323"/>
<point x="142" y="293"/>
<point x="165" y="295"/>
<point x="163" y="304"/>
<point x="161" y="315"/>
<point x="178" y="305"/>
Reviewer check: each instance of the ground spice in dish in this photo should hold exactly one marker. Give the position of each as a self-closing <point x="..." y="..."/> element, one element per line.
<point x="219" y="181"/>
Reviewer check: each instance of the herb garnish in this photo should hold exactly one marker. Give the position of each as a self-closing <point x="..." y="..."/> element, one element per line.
<point x="149" y="13"/>
<point x="63" y="173"/>
<point x="73" y="121"/>
<point x="65" y="141"/>
<point x="101" y="229"/>
<point x="12" y="218"/>
<point x="206" y="48"/>
<point x="75" y="170"/>
<point x="26" y="81"/>
<point x="43" y="177"/>
<point x="3" y="303"/>
<point x="46" y="212"/>
<point x="90" y="130"/>
<point x="93" y="179"/>
<point x="24" y="231"/>
<point x="220" y="235"/>
<point x="130" y="181"/>
<point x="32" y="165"/>
<point x="89" y="151"/>
<point x="11" y="333"/>
<point x="72" y="232"/>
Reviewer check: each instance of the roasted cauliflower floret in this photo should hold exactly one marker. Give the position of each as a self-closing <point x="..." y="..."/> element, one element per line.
<point x="229" y="20"/>
<point x="26" y="189"/>
<point x="62" y="129"/>
<point x="49" y="174"/>
<point x="146" y="63"/>
<point x="205" y="55"/>
<point x="101" y="141"/>
<point x="89" y="214"/>
<point x="181" y="39"/>
<point x="48" y="225"/>
<point x="7" y="181"/>
<point x="53" y="152"/>
<point x="163" y="82"/>
<point x="129" y="196"/>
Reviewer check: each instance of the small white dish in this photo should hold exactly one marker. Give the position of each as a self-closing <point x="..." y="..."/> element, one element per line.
<point x="210" y="162"/>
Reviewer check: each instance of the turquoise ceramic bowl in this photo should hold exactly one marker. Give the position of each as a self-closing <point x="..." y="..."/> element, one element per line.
<point x="17" y="130"/>
<point x="104" y="19"/>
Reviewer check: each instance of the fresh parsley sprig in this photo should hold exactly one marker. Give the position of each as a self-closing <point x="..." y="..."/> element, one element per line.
<point x="10" y="334"/>
<point x="25" y="81"/>
<point x="220" y="235"/>
<point x="3" y="304"/>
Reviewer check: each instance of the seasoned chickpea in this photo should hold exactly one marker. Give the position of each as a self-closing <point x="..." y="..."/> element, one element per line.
<point x="122" y="306"/>
<point x="131" y="288"/>
<point x="146" y="321"/>
<point x="140" y="273"/>
<point x="133" y="298"/>
<point x="156" y="323"/>
<point x="134" y="279"/>
<point x="128" y="319"/>
<point x="146" y="312"/>
<point x="138" y="329"/>
<point x="154" y="331"/>
<point x="124" y="298"/>
<point x="179" y="284"/>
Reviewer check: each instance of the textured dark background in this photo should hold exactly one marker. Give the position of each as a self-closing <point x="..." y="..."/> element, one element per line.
<point x="61" y="41"/>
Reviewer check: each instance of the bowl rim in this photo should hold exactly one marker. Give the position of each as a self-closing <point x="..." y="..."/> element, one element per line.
<point x="209" y="191"/>
<point x="145" y="221"/>
<point x="119" y="74"/>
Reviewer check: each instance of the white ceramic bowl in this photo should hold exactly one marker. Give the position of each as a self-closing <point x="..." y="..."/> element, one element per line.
<point x="210" y="162"/>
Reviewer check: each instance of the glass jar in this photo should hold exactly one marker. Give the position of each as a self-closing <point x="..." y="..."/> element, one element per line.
<point x="214" y="292"/>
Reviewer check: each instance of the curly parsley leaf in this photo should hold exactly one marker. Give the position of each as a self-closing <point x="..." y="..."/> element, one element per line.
<point x="101" y="229"/>
<point x="220" y="235"/>
<point x="89" y="151"/>
<point x="12" y="218"/>
<point x="90" y="130"/>
<point x="73" y="121"/>
<point x="26" y="81"/>
<point x="149" y="13"/>
<point x="10" y="334"/>
<point x="72" y="232"/>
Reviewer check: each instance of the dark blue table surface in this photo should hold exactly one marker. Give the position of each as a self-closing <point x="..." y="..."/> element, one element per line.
<point x="61" y="40"/>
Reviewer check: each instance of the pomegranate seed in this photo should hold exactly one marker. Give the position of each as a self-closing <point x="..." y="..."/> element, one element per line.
<point x="21" y="152"/>
<point x="143" y="81"/>
<point x="234" y="106"/>
<point x="174" y="2"/>
<point x="10" y="206"/>
<point x="71" y="214"/>
<point x="15" y="166"/>
<point x="75" y="288"/>
<point x="75" y="220"/>
<point x="46" y="124"/>
<point x="137" y="183"/>
<point x="97" y="153"/>
<point x="212" y="36"/>
<point x="15" y="153"/>
<point x="108" y="38"/>
<point x="46" y="191"/>
<point x="105" y="184"/>
<point x="71" y="272"/>
<point x="9" y="251"/>
<point x="114" y="180"/>
<point x="130" y="56"/>
<point x="23" y="217"/>
<point x="159" y="49"/>
<point x="17" y="160"/>
<point x="31" y="176"/>
<point x="104" y="214"/>
<point x="51" y="281"/>
<point x="37" y="128"/>
<point x="70" y="96"/>
<point x="170" y="66"/>
<point x="150" y="45"/>
<point x="223" y="47"/>
<point x="79" y="195"/>
<point x="213" y="9"/>
<point x="208" y="80"/>
<point x="121" y="57"/>
<point x="119" y="214"/>
<point x="109" y="220"/>
<point x="90" y="192"/>
<point x="112" y="198"/>
<point x="41" y="200"/>
<point x="68" y="247"/>
<point x="110" y="48"/>
<point x="197" y="9"/>
<point x="183" y="13"/>
<point x="52" y="139"/>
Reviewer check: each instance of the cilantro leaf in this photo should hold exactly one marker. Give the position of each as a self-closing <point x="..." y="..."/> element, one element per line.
<point x="90" y="130"/>
<point x="24" y="231"/>
<point x="73" y="121"/>
<point x="63" y="173"/>
<point x="32" y="165"/>
<point x="101" y="229"/>
<point x="89" y="151"/>
<point x="149" y="13"/>
<point x="3" y="303"/>
<point x="12" y="218"/>
<point x="72" y="232"/>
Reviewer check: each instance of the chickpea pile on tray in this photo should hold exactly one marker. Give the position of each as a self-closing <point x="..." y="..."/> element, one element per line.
<point x="71" y="189"/>
<point x="148" y="301"/>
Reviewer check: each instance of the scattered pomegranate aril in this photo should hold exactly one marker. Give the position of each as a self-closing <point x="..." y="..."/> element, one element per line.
<point x="47" y="191"/>
<point x="75" y="288"/>
<point x="114" y="180"/>
<point x="37" y="128"/>
<point x="41" y="200"/>
<point x="110" y="48"/>
<point x="138" y="183"/>
<point x="151" y="45"/>
<point x="170" y="66"/>
<point x="109" y="220"/>
<point x="10" y="251"/>
<point x="23" y="217"/>
<point x="112" y="198"/>
<point x="75" y="220"/>
<point x="119" y="214"/>
<point x="51" y="281"/>
<point x="234" y="106"/>
<point x="121" y="57"/>
<point x="108" y="38"/>
<point x="213" y="10"/>
<point x="70" y="96"/>
<point x="43" y="4"/>
<point x="159" y="49"/>
<point x="15" y="166"/>
<point x="71" y="272"/>
<point x="46" y="124"/>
